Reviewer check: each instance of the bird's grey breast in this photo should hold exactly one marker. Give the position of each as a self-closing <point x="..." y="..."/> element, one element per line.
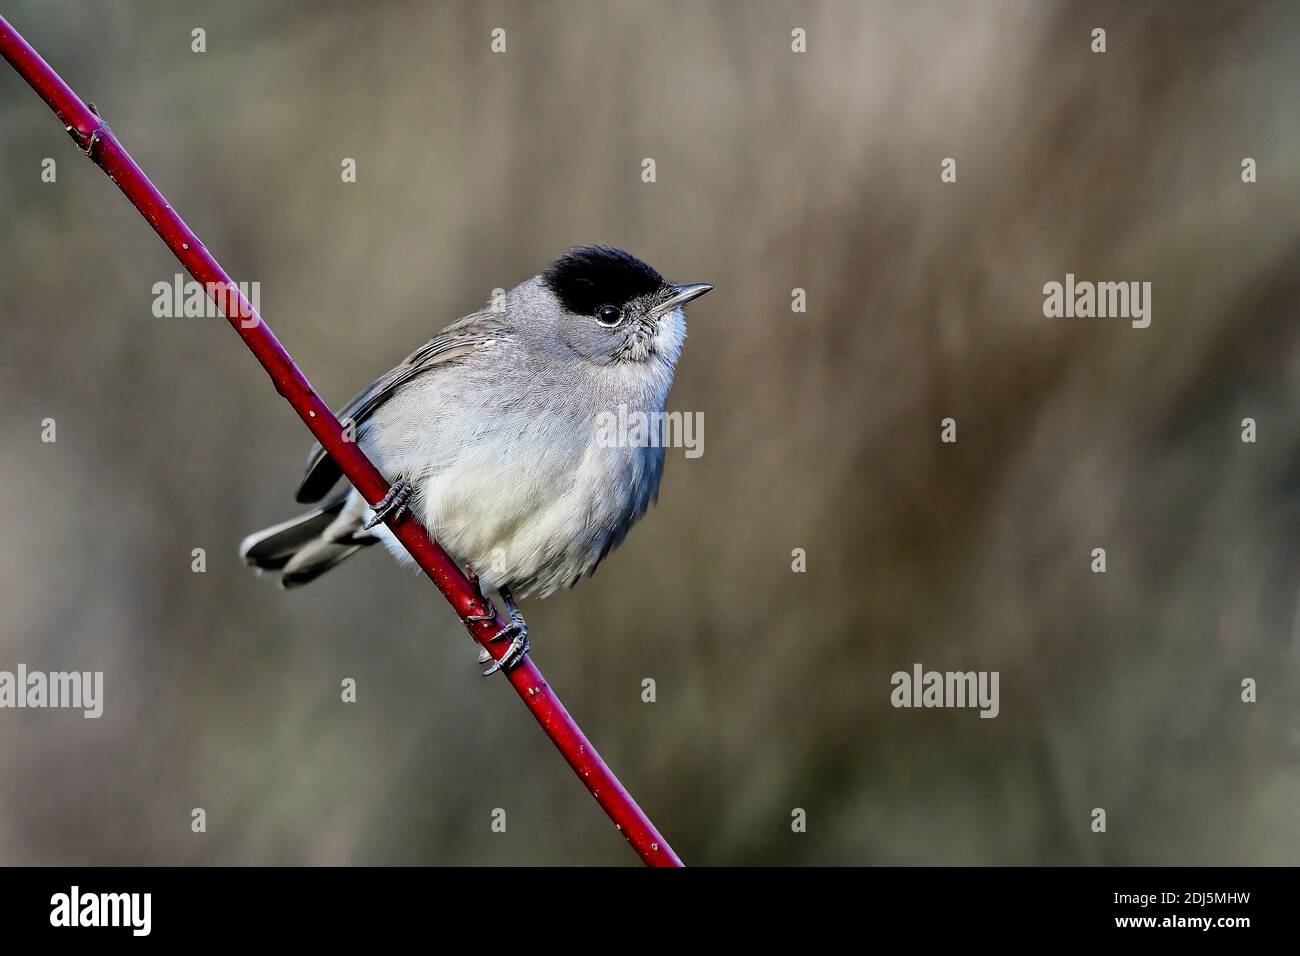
<point x="510" y="465"/>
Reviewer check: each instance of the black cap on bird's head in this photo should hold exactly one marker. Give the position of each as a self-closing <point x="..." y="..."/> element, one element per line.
<point x="587" y="279"/>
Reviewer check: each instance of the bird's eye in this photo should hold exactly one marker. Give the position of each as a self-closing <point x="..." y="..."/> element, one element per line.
<point x="608" y="315"/>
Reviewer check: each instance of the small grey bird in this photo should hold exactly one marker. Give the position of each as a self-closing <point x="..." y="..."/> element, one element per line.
<point x="488" y="433"/>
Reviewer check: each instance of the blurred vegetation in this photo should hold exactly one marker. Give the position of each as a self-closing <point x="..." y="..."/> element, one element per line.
<point x="775" y="171"/>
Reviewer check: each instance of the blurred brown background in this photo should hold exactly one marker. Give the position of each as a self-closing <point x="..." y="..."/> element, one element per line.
<point x="775" y="170"/>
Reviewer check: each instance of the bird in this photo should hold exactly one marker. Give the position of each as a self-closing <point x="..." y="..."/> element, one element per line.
<point x="488" y="434"/>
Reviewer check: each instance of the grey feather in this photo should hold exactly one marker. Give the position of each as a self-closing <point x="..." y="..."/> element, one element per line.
<point x="271" y="548"/>
<point x="315" y="559"/>
<point x="453" y="342"/>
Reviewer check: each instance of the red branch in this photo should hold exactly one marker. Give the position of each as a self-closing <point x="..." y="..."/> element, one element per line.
<point x="95" y="139"/>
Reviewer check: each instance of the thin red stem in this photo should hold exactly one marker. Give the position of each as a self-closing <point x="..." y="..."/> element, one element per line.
<point x="95" y="139"/>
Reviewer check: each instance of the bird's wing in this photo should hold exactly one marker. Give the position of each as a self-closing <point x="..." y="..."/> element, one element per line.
<point x="455" y="341"/>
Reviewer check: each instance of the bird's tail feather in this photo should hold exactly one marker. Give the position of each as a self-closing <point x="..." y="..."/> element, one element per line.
<point x="305" y="547"/>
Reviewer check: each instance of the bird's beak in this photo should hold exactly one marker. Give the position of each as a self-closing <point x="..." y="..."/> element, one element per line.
<point x="681" y="295"/>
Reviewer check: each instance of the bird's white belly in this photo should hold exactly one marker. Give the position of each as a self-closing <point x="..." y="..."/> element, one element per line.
<point x="535" y="519"/>
<point x="526" y="493"/>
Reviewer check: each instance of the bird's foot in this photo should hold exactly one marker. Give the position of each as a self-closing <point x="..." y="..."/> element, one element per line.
<point x="393" y="503"/>
<point x="517" y="631"/>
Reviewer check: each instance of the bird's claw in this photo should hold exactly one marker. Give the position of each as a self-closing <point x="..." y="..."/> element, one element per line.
<point x="514" y="653"/>
<point x="393" y="503"/>
<point x="517" y="629"/>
